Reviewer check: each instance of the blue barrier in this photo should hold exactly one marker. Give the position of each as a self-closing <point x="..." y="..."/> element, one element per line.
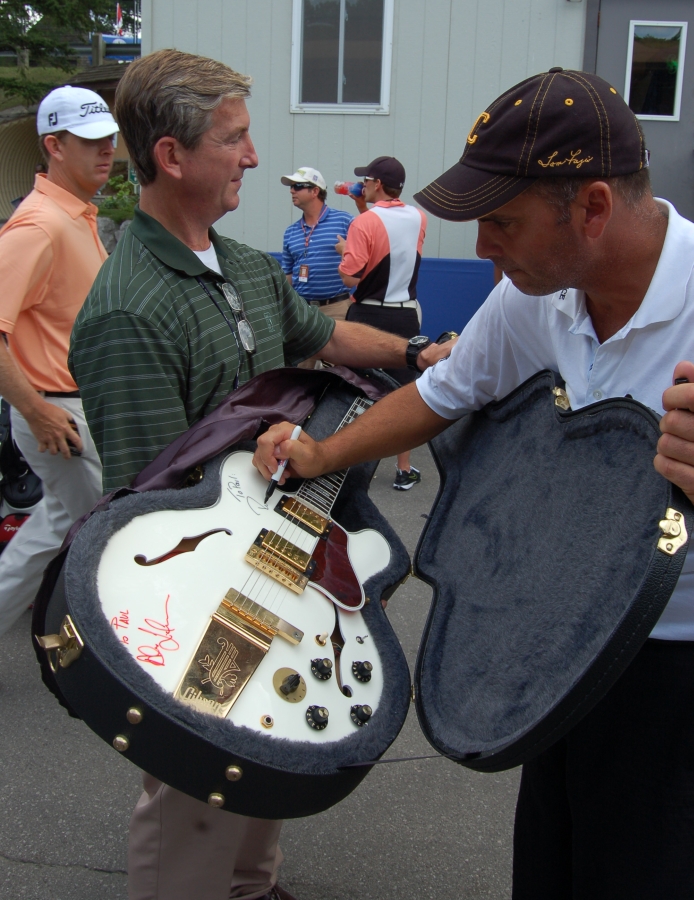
<point x="450" y="291"/>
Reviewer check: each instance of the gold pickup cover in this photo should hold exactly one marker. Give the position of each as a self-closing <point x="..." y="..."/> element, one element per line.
<point x="303" y="515"/>
<point x="290" y="553"/>
<point x="281" y="560"/>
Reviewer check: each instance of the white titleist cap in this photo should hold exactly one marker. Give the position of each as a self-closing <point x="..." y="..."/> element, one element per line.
<point x="76" y="110"/>
<point x="305" y="174"/>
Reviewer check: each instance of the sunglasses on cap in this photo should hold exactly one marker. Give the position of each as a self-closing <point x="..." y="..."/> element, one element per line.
<point x="301" y="186"/>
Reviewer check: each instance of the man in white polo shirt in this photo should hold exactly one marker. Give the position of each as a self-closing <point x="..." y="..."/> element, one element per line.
<point x="50" y="253"/>
<point x="599" y="287"/>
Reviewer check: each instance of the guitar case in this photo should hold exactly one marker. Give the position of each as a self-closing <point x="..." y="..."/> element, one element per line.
<point x="202" y="755"/>
<point x="552" y="549"/>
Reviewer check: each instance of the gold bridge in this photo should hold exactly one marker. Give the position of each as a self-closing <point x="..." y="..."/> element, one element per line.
<point x="237" y="638"/>
<point x="281" y="560"/>
<point x="303" y="515"/>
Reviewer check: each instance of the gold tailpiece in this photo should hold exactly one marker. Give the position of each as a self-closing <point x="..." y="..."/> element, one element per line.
<point x="236" y="640"/>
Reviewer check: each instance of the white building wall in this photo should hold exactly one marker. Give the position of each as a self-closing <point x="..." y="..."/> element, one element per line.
<point x="451" y="58"/>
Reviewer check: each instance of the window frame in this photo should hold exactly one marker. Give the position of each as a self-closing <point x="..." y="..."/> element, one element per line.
<point x="680" y="68"/>
<point x="368" y="109"/>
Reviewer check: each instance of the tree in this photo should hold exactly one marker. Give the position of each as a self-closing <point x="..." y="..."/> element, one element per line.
<point x="42" y="32"/>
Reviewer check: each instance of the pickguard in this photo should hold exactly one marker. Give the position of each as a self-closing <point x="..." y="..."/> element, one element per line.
<point x="160" y="611"/>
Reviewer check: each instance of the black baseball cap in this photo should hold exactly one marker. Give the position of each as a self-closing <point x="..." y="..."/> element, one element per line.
<point x="387" y="169"/>
<point x="558" y="123"/>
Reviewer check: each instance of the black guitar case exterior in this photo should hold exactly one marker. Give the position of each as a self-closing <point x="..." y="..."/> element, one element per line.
<point x="549" y="565"/>
<point x="202" y="755"/>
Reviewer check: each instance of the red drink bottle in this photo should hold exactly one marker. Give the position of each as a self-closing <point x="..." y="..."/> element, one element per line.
<point x="349" y="188"/>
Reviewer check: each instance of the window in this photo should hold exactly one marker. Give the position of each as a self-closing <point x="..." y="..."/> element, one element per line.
<point x="655" y="66"/>
<point x="341" y="55"/>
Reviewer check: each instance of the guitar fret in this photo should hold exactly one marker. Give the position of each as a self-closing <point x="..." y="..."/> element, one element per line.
<point x="322" y="492"/>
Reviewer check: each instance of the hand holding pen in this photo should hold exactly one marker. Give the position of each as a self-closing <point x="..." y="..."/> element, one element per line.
<point x="282" y="465"/>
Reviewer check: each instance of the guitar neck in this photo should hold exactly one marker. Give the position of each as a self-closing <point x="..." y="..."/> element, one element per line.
<point x="321" y="493"/>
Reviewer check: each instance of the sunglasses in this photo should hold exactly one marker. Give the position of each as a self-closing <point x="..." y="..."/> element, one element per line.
<point x="300" y="187"/>
<point x="242" y="324"/>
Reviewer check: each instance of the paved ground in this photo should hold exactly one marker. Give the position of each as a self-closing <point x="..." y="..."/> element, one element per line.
<point x="411" y="831"/>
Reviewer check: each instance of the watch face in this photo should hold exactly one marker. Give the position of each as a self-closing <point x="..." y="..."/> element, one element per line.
<point x="419" y="340"/>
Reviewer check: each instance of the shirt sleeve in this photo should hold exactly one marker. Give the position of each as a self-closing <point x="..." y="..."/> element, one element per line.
<point x="132" y="380"/>
<point x="305" y="330"/>
<point x="357" y="248"/>
<point x="506" y="342"/>
<point x="287" y="260"/>
<point x="26" y="263"/>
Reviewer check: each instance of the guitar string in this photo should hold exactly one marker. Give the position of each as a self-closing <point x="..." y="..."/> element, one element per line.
<point x="329" y="486"/>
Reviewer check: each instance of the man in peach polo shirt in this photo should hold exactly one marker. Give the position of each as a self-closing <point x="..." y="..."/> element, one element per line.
<point x="50" y="254"/>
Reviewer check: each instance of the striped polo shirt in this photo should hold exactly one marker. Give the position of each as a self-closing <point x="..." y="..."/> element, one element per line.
<point x="384" y="250"/>
<point x="320" y="256"/>
<point x="152" y="352"/>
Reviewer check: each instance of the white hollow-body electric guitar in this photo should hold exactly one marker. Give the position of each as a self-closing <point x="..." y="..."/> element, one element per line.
<point x="252" y="612"/>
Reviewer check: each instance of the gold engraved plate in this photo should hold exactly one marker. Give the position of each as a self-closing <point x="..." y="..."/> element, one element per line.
<point x="293" y="509"/>
<point x="674" y="532"/>
<point x="270" y="540"/>
<point x="233" y="646"/>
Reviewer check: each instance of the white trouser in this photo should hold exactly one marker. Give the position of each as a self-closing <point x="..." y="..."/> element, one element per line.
<point x="71" y="487"/>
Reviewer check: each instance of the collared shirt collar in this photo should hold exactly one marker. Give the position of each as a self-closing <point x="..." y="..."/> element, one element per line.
<point x="72" y="205"/>
<point x="387" y="203"/>
<point x="665" y="297"/>
<point x="170" y="250"/>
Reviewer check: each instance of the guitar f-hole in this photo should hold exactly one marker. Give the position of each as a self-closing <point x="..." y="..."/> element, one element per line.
<point x="338" y="642"/>
<point x="185" y="545"/>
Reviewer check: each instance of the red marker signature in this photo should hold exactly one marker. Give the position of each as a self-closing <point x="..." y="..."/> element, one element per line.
<point x="168" y="643"/>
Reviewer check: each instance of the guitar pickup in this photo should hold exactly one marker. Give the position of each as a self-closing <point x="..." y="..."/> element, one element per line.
<point x="303" y="516"/>
<point x="281" y="560"/>
<point x="271" y="542"/>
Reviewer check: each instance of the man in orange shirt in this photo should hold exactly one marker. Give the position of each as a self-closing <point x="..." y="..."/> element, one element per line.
<point x="381" y="258"/>
<point x="50" y="254"/>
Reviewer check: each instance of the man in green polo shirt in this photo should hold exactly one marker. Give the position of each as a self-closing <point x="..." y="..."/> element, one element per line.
<point x="178" y="318"/>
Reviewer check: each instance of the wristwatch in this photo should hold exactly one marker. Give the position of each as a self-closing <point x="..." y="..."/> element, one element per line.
<point x="415" y="345"/>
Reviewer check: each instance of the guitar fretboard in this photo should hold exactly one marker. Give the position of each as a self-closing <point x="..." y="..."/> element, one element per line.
<point x="321" y="493"/>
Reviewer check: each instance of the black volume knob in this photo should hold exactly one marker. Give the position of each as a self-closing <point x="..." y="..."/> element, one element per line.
<point x="362" y="670"/>
<point x="322" y="668"/>
<point x="290" y="684"/>
<point x="360" y="715"/>
<point x="317" y="717"/>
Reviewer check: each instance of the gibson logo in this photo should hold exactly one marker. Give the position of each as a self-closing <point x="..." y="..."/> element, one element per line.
<point x="220" y="669"/>
<point x="90" y="109"/>
<point x="573" y="159"/>
<point x="198" y="696"/>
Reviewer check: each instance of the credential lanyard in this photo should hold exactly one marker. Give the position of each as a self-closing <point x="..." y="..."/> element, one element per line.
<point x="231" y="328"/>
<point x="307" y="237"/>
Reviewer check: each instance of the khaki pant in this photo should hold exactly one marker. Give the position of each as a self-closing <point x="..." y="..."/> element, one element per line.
<point x="336" y="311"/>
<point x="182" y="849"/>
<point x="71" y="487"/>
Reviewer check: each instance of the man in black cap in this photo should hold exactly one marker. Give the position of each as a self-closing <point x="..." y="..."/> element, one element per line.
<point x="599" y="287"/>
<point x="381" y="258"/>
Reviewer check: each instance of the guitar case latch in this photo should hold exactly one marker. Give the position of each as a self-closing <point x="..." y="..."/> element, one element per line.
<point x="64" y="648"/>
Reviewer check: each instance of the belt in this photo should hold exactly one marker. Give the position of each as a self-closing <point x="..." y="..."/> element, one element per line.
<point x="60" y="393"/>
<point x="407" y="304"/>
<point x="337" y="299"/>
